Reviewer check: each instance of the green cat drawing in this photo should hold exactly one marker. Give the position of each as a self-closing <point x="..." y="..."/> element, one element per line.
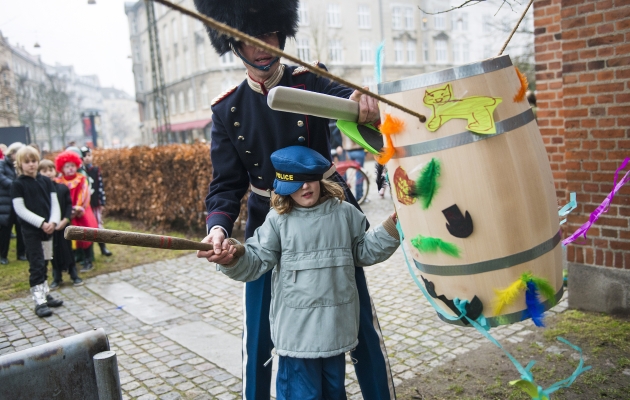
<point x="477" y="110"/>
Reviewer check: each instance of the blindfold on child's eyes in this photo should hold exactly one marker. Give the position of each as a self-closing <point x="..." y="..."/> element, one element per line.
<point x="293" y="177"/>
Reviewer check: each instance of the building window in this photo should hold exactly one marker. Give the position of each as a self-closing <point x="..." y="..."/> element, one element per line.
<point x="425" y="50"/>
<point x="365" y="52"/>
<point x="184" y="26"/>
<point x="188" y="62"/>
<point x="7" y="103"/>
<point x="182" y="105"/>
<point x="408" y="13"/>
<point x="439" y="21"/>
<point x="169" y="70"/>
<point x="173" y="104"/>
<point x="227" y="58"/>
<point x="165" y="30"/>
<point x="411" y="52"/>
<point x="134" y="25"/>
<point x="460" y="22"/>
<point x="303" y="49"/>
<point x="440" y="51"/>
<point x="191" y="100"/>
<point x="174" y="25"/>
<point x="201" y="56"/>
<point x="140" y="84"/>
<point x="335" y="51"/>
<point x="399" y="57"/>
<point x="397" y="18"/>
<point x="178" y="67"/>
<point x="205" y="99"/>
<point x="365" y="20"/>
<point x="333" y="16"/>
<point x="303" y="14"/>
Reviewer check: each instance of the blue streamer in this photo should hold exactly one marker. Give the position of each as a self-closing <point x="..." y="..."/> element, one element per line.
<point x="482" y="326"/>
<point x="378" y="63"/>
<point x="571" y="205"/>
<point x="534" y="307"/>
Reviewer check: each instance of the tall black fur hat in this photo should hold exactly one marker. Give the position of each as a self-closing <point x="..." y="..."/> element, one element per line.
<point x="253" y="17"/>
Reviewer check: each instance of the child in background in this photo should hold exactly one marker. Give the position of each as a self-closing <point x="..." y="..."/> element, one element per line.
<point x="35" y="201"/>
<point x="67" y="163"/>
<point x="63" y="259"/>
<point x="97" y="199"/>
<point x="314" y="313"/>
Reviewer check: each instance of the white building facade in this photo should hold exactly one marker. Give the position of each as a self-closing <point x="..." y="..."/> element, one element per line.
<point x="343" y="35"/>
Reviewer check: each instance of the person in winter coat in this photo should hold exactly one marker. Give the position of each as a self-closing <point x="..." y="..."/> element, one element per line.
<point x="35" y="202"/>
<point x="314" y="313"/>
<point x="97" y="198"/>
<point x="8" y="218"/>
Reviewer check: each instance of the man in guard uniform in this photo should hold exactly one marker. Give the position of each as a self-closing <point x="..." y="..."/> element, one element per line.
<point x="245" y="131"/>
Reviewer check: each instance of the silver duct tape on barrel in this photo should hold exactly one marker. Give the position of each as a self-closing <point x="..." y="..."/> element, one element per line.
<point x="447" y="75"/>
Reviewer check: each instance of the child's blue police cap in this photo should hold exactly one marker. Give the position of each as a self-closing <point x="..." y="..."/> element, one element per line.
<point x="295" y="165"/>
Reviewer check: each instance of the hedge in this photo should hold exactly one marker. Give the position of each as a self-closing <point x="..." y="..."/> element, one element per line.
<point x="163" y="186"/>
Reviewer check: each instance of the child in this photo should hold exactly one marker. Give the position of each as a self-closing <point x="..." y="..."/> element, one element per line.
<point x="312" y="240"/>
<point x="97" y="199"/>
<point x="67" y="163"/>
<point x="63" y="259"/>
<point x="35" y="202"/>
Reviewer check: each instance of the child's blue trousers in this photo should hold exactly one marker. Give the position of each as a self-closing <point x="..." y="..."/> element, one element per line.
<point x="311" y="378"/>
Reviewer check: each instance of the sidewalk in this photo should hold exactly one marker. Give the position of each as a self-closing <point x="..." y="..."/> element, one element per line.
<point x="176" y="325"/>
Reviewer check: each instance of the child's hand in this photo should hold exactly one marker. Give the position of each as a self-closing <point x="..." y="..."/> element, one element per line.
<point x="48" y="227"/>
<point x="394" y="217"/>
<point x="62" y="225"/>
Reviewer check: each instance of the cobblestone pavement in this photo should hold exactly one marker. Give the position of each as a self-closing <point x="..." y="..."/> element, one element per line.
<point x="154" y="367"/>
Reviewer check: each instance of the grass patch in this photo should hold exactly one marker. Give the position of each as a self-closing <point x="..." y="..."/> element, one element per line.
<point x="14" y="276"/>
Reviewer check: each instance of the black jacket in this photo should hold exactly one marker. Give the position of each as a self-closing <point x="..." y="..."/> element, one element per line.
<point x="7" y="176"/>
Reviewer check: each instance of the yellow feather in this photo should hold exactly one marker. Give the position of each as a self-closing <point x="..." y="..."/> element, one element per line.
<point x="507" y="296"/>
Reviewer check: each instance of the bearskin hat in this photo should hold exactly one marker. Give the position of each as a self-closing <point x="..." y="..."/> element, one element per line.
<point x="66" y="157"/>
<point x="253" y="17"/>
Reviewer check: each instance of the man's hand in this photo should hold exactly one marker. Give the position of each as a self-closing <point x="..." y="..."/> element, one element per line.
<point x="368" y="107"/>
<point x="62" y="224"/>
<point x="48" y="227"/>
<point x="221" y="253"/>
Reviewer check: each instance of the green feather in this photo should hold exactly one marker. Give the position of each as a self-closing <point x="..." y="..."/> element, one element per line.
<point x="427" y="244"/>
<point x="427" y="184"/>
<point x="545" y="289"/>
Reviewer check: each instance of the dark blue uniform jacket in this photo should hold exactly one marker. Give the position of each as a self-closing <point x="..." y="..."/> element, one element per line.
<point x="245" y="131"/>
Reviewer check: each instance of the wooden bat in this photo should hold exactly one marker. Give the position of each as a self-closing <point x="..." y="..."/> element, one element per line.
<point x="139" y="239"/>
<point x="282" y="98"/>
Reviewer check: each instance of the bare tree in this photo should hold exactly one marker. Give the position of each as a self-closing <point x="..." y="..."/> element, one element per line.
<point x="65" y="108"/>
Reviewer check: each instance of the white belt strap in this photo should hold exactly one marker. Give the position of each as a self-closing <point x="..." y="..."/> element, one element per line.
<point x="267" y="192"/>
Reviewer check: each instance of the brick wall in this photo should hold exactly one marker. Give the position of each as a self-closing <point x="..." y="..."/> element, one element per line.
<point x="584" y="114"/>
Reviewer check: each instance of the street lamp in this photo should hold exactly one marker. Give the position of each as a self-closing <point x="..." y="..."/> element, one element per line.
<point x="91" y="1"/>
<point x="36" y="45"/>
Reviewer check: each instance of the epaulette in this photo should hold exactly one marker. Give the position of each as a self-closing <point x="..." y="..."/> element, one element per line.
<point x="223" y="95"/>
<point x="301" y="70"/>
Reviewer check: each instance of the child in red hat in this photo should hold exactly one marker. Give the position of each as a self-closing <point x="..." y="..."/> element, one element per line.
<point x="68" y="163"/>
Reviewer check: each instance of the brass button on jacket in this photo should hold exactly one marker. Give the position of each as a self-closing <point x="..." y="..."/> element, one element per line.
<point x="237" y="124"/>
<point x="300" y="123"/>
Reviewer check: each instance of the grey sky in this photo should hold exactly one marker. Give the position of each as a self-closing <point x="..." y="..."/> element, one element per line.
<point x="92" y="38"/>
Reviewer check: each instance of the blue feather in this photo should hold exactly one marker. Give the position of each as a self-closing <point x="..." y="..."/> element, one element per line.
<point x="378" y="64"/>
<point x="534" y="307"/>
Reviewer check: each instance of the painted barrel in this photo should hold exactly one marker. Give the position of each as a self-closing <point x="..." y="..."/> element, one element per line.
<point x="496" y="199"/>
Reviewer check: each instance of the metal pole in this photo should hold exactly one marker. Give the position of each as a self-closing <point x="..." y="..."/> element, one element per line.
<point x="107" y="379"/>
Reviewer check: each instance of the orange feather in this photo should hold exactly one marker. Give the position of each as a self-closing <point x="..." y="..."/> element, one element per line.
<point x="388" y="151"/>
<point x="391" y="125"/>
<point x="520" y="95"/>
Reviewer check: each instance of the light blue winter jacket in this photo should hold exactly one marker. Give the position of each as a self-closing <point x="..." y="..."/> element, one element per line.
<point x="314" y="299"/>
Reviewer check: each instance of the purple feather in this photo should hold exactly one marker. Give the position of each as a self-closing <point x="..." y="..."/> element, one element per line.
<point x="534" y="307"/>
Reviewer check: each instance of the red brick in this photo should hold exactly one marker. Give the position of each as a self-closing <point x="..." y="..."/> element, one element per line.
<point x="599" y="257"/>
<point x="622" y="25"/>
<point x="589" y="144"/>
<point x="598" y="155"/>
<point x="608" y="221"/>
<point x="575" y="90"/>
<point x="573" y="45"/>
<point x="623" y="49"/>
<point x="580" y="112"/>
<point x="594" y="19"/>
<point x="587" y="100"/>
<point x="597" y="112"/>
<point x="587" y="54"/>
<point x="567" y="3"/>
<point x="621" y="74"/>
<point x="587" y="78"/>
<point x="587" y="32"/>
<point x="607" y="144"/>
<point x="611" y="233"/>
<point x="618" y="260"/>
<point x="607" y="133"/>
<point x="609" y="259"/>
<point x="608" y="166"/>
<point x="577" y="134"/>
<point x="606" y="122"/>
<point x="622" y="110"/>
<point x="605" y="28"/>
<point x="606" y="87"/>
<point x="589" y="123"/>
<point x="622" y="98"/>
<point x="605" y="98"/>
<point x="623" y="121"/>
<point x="626" y="260"/>
<point x="617" y="13"/>
<point x="617" y="62"/>
<point x="606" y="75"/>
<point x="623" y="144"/>
<point x="589" y="255"/>
<point x="590" y="166"/>
<point x="605" y="40"/>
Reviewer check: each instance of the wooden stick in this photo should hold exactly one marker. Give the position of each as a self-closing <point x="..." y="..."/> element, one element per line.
<point x="515" y="28"/>
<point x="274" y="51"/>
<point x="139" y="239"/>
